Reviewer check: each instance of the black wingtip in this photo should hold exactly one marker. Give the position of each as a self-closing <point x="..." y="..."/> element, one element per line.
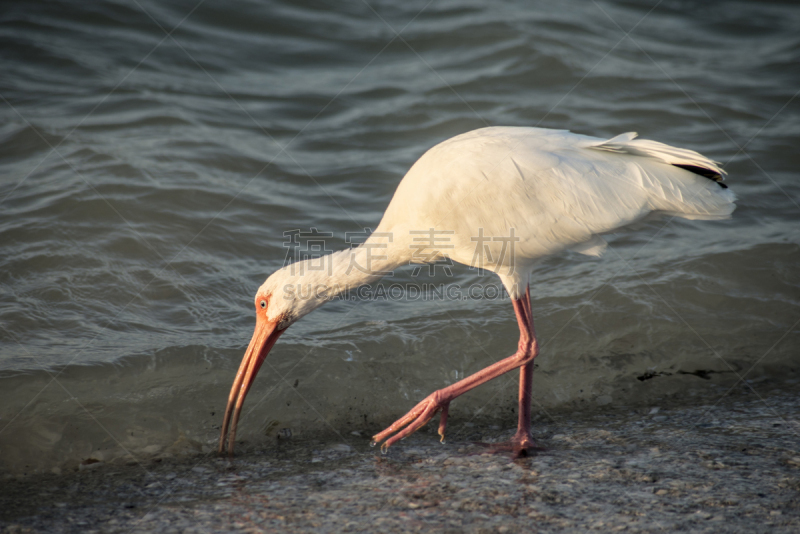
<point x="705" y="173"/>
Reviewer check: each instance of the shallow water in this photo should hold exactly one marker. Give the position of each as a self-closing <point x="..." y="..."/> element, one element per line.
<point x="154" y="156"/>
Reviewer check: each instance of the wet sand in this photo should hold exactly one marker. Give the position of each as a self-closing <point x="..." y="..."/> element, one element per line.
<point x="729" y="467"/>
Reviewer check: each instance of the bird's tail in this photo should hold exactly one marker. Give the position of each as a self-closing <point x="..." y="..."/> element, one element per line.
<point x="680" y="157"/>
<point x="697" y="194"/>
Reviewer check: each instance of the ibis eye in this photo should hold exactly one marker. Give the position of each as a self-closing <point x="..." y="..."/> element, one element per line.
<point x="263" y="304"/>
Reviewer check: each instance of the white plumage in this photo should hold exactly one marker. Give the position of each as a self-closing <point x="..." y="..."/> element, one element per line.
<point x="535" y="190"/>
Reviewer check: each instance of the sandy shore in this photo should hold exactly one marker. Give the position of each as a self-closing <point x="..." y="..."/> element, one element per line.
<point x="733" y="467"/>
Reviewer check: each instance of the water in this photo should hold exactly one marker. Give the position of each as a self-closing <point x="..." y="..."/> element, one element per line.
<point x="153" y="157"/>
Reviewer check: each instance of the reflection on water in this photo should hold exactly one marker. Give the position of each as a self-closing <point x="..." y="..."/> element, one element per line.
<point x="149" y="181"/>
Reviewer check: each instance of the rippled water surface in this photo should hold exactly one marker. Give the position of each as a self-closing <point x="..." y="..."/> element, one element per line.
<point x="153" y="155"/>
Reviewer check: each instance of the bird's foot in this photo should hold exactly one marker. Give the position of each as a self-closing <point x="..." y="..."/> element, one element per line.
<point x="414" y="420"/>
<point x="520" y="446"/>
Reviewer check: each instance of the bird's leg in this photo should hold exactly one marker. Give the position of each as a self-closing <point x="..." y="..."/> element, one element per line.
<point x="443" y="422"/>
<point x="440" y="400"/>
<point x="523" y="440"/>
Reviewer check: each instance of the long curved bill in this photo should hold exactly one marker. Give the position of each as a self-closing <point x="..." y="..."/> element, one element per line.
<point x="264" y="337"/>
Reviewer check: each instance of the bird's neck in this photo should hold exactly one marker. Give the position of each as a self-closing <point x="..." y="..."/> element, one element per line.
<point x="336" y="273"/>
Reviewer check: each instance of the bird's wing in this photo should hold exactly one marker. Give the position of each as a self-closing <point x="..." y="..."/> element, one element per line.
<point x="555" y="190"/>
<point x="684" y="158"/>
<point x="594" y="247"/>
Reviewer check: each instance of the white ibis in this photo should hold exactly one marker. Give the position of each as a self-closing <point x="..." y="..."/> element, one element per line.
<point x="496" y="198"/>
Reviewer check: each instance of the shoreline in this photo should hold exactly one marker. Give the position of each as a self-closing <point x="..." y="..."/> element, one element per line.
<point x="733" y="467"/>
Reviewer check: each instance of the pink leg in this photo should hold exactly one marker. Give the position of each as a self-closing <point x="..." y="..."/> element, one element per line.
<point x="523" y="440"/>
<point x="440" y="400"/>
